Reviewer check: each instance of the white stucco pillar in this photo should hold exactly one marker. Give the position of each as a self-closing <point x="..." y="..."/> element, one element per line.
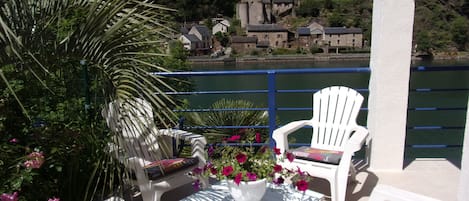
<point x="391" y="45"/>
<point x="463" y="193"/>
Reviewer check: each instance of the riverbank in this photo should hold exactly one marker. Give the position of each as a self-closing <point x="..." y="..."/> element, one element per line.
<point x="315" y="57"/>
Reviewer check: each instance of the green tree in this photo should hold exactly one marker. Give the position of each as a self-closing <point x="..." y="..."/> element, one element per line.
<point x="42" y="102"/>
<point x="460" y="32"/>
<point x="310" y="8"/>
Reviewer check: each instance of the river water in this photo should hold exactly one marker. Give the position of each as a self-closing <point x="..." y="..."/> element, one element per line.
<point x="444" y="142"/>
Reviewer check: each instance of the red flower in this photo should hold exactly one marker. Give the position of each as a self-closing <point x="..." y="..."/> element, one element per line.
<point x="227" y="170"/>
<point x="299" y="171"/>
<point x="302" y="185"/>
<point x="238" y="178"/>
<point x="241" y="157"/>
<point x="278" y="181"/>
<point x="234" y="138"/>
<point x="258" y="137"/>
<point x="213" y="170"/>
<point x="251" y="176"/>
<point x="277" y="151"/>
<point x="290" y="156"/>
<point x="277" y="168"/>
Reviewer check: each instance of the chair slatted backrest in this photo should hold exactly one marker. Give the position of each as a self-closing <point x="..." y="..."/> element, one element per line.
<point x="132" y="121"/>
<point x="335" y="111"/>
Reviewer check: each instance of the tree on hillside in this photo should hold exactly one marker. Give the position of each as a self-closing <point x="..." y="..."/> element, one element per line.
<point x="460" y="32"/>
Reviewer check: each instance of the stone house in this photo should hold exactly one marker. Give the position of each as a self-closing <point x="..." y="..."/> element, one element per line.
<point x="274" y="35"/>
<point x="329" y="37"/>
<point x="243" y="44"/>
<point x="204" y="35"/>
<point x="343" y="37"/>
<point x="221" y="26"/>
<point x="190" y="42"/>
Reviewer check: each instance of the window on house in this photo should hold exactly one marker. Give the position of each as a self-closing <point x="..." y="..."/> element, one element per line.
<point x="266" y="36"/>
<point x="276" y="43"/>
<point x="279" y="35"/>
<point x="353" y="35"/>
<point x="338" y="36"/>
<point x="338" y="42"/>
<point x="329" y="43"/>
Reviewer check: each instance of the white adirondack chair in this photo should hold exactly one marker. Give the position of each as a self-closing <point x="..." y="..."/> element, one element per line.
<point x="132" y="121"/>
<point x="334" y="128"/>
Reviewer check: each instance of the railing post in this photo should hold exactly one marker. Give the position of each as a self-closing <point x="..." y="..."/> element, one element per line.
<point x="272" y="105"/>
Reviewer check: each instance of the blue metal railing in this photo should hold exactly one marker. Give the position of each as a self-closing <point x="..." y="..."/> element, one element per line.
<point x="272" y="92"/>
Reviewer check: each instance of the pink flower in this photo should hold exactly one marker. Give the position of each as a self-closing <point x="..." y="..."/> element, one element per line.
<point x="195" y="185"/>
<point x="9" y="197"/>
<point x="53" y="199"/>
<point x="290" y="156"/>
<point x="258" y="137"/>
<point x="238" y="178"/>
<point x="277" y="151"/>
<point x="299" y="171"/>
<point x="241" y="158"/>
<point x="227" y="170"/>
<point x="277" y="168"/>
<point x="197" y="170"/>
<point x="251" y="176"/>
<point x="278" y="181"/>
<point x="36" y="159"/>
<point x="234" y="138"/>
<point x="14" y="140"/>
<point x="302" y="185"/>
<point x="210" y="150"/>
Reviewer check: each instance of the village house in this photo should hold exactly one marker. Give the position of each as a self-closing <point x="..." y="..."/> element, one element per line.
<point x="221" y="26"/>
<point x="190" y="42"/>
<point x="243" y="44"/>
<point x="203" y="34"/>
<point x="272" y="34"/>
<point x="329" y="37"/>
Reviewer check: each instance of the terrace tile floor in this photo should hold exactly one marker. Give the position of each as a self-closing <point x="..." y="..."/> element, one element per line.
<point x="437" y="178"/>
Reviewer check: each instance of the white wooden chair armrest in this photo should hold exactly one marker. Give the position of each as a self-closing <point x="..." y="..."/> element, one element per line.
<point x="280" y="135"/>
<point x="357" y="140"/>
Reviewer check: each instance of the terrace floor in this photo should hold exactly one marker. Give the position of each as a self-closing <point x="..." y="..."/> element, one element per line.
<point x="437" y="178"/>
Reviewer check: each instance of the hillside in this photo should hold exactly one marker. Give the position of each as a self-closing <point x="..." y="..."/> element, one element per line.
<point x="440" y="25"/>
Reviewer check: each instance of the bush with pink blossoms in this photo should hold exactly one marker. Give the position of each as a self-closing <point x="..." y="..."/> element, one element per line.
<point x="245" y="162"/>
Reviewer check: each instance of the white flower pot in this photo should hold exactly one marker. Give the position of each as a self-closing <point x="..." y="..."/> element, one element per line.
<point x="247" y="191"/>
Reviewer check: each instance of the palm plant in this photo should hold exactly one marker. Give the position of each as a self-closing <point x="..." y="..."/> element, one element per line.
<point x="223" y="113"/>
<point x="46" y="44"/>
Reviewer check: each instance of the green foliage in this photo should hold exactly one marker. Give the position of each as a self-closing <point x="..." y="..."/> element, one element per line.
<point x="282" y="51"/>
<point x="220" y="114"/>
<point x="223" y="38"/>
<point x="40" y="69"/>
<point x="310" y="8"/>
<point x="460" y="32"/>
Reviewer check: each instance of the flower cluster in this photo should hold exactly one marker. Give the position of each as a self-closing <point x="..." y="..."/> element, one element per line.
<point x="246" y="162"/>
<point x="35" y="160"/>
<point x="14" y="197"/>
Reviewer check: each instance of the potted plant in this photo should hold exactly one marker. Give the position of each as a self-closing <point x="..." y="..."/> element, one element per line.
<point x="247" y="166"/>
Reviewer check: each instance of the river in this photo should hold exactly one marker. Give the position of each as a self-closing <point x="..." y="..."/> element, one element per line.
<point x="451" y="119"/>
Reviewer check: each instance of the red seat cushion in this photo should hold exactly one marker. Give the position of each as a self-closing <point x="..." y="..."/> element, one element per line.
<point x="160" y="168"/>
<point x="318" y="155"/>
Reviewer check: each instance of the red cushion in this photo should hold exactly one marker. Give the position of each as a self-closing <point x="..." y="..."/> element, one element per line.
<point x="160" y="168"/>
<point x="319" y="155"/>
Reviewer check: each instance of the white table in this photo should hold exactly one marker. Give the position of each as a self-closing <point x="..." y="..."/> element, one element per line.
<point x="219" y="192"/>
